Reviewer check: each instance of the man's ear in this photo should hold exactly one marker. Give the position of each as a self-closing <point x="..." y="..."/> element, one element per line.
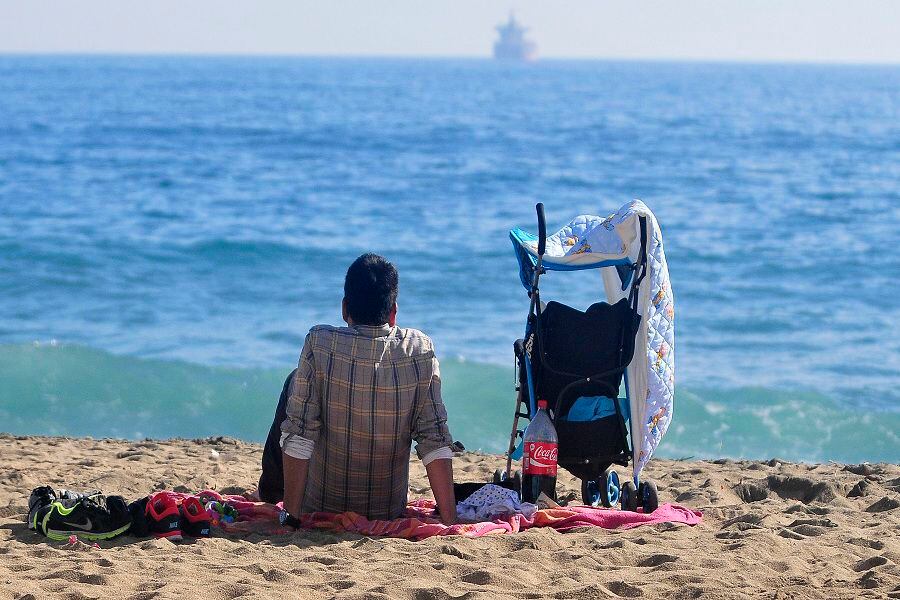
<point x="344" y="314"/>
<point x="392" y="317"/>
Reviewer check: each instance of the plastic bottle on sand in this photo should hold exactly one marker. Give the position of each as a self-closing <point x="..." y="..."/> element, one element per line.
<point x="539" y="456"/>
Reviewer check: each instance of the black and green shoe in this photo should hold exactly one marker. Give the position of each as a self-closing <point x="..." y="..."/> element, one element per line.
<point x="44" y="496"/>
<point x="89" y="517"/>
<point x="41" y="497"/>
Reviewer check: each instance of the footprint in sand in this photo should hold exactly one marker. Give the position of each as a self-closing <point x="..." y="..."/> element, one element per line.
<point x="883" y="505"/>
<point x="860" y="489"/>
<point x="656" y="560"/>
<point x="873" y="544"/>
<point x="791" y="535"/>
<point x="811" y="527"/>
<point x="751" y="492"/>
<point x="861" y="469"/>
<point x="325" y="560"/>
<point x="801" y="488"/>
<point x="588" y="591"/>
<point x="809" y="510"/>
<point x="870" y="563"/>
<point x="809" y="530"/>
<point x="453" y="551"/>
<point x="479" y="577"/>
<point x="279" y="576"/>
<point x="870" y="581"/>
<point x="745" y="519"/>
<point x="151" y="586"/>
<point x="253" y="568"/>
<point x="341" y="584"/>
<point x="624" y="589"/>
<point x="93" y="579"/>
<point x="20" y="568"/>
<point x="230" y="591"/>
<point x="437" y="594"/>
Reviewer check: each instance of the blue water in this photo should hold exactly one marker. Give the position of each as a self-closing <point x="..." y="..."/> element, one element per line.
<point x="171" y="227"/>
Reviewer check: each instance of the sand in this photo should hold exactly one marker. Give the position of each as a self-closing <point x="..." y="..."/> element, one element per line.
<point x="771" y="530"/>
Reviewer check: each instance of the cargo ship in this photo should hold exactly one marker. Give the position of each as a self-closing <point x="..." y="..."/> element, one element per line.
<point x="512" y="43"/>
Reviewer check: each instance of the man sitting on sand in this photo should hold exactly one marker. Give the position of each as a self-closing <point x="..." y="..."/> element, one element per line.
<point x="350" y="411"/>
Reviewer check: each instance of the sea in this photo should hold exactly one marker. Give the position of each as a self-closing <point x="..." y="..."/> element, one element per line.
<point x="171" y="227"/>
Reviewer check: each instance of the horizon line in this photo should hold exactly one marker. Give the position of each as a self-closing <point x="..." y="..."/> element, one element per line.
<point x="473" y="57"/>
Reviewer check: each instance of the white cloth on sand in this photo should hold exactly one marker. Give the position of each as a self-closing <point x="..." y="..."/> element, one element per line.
<point x="491" y="502"/>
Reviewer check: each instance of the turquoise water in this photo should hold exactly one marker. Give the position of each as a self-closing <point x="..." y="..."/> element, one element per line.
<point x="171" y="227"/>
<point x="82" y="391"/>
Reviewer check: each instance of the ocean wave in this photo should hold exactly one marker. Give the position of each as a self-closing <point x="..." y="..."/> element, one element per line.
<point x="57" y="389"/>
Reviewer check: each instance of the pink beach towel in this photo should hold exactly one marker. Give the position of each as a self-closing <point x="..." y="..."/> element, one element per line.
<point x="419" y="523"/>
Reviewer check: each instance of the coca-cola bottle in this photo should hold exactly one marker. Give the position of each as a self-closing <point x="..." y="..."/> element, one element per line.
<point x="539" y="456"/>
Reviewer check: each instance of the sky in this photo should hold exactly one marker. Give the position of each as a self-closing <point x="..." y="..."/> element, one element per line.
<point x="742" y="30"/>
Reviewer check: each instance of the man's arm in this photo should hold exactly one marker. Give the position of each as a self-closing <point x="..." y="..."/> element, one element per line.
<point x="440" y="476"/>
<point x="433" y="442"/>
<point x="300" y="429"/>
<point x="295" y="470"/>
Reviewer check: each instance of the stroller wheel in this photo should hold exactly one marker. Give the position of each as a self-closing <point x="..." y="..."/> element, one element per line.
<point x="613" y="488"/>
<point x="602" y="492"/>
<point x="590" y="492"/>
<point x="629" y="496"/>
<point x="649" y="496"/>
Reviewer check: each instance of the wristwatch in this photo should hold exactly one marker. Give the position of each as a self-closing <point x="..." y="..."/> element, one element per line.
<point x="286" y="519"/>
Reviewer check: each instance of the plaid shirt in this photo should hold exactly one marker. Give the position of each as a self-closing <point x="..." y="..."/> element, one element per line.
<point x="362" y="394"/>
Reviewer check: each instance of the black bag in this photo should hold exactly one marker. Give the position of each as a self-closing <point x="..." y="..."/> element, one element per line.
<point x="271" y="481"/>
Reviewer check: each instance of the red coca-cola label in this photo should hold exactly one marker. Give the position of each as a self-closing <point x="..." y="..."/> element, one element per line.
<point x="540" y="458"/>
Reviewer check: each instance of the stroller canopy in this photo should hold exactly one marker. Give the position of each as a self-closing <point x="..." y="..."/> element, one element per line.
<point x="590" y="242"/>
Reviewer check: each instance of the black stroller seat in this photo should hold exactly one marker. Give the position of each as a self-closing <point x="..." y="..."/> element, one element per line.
<point x="576" y="345"/>
<point x="575" y="355"/>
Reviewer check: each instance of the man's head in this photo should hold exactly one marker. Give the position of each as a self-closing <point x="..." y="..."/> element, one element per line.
<point x="370" y="291"/>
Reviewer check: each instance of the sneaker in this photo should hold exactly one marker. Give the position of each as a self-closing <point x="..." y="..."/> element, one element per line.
<point x="140" y="525"/>
<point x="163" y="516"/>
<point x="195" y="521"/>
<point x="90" y="517"/>
<point x="70" y="495"/>
<point x="41" y="497"/>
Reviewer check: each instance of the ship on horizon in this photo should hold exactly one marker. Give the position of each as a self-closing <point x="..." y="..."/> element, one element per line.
<point x="512" y="44"/>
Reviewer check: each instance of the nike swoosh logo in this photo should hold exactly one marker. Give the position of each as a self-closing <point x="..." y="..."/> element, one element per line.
<point x="85" y="526"/>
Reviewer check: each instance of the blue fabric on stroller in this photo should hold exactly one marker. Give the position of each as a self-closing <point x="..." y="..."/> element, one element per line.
<point x="592" y="408"/>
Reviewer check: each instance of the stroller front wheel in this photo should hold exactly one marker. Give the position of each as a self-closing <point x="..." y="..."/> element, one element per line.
<point x="649" y="496"/>
<point x="613" y="488"/>
<point x="603" y="492"/>
<point x="629" y="496"/>
<point x="590" y="492"/>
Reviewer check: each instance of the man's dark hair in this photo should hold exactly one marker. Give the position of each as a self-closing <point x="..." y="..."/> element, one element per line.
<point x="370" y="289"/>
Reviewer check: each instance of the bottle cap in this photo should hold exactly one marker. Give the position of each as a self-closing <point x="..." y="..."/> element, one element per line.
<point x="542" y="404"/>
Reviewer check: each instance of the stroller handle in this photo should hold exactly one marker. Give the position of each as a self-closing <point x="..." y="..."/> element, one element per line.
<point x="542" y="228"/>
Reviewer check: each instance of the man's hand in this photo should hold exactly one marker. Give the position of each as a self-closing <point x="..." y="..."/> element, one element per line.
<point x="295" y="470"/>
<point x="440" y="476"/>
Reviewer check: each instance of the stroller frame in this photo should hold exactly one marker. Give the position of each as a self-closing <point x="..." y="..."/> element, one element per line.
<point x="598" y="485"/>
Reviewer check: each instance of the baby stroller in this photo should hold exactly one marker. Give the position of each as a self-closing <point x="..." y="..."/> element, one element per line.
<point x="577" y="360"/>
